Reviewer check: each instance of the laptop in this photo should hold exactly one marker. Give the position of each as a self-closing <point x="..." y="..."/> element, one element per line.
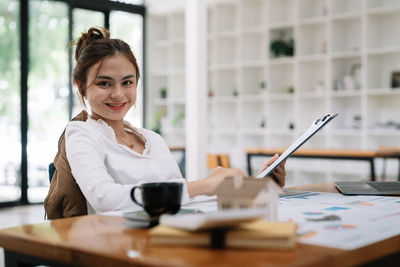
<point x="369" y="188"/>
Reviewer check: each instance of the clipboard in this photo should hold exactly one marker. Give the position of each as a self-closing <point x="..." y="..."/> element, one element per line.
<point x="314" y="128"/>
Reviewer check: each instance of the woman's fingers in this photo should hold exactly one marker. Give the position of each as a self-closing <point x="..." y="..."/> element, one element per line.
<point x="216" y="177"/>
<point x="272" y="159"/>
<point x="280" y="173"/>
<point x="281" y="168"/>
<point x="279" y="179"/>
<point x="268" y="162"/>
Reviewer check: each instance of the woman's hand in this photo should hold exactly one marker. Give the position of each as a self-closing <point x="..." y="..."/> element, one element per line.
<point x="208" y="185"/>
<point x="279" y="173"/>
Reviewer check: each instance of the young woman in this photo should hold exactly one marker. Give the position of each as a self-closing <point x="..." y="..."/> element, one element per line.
<point x="106" y="154"/>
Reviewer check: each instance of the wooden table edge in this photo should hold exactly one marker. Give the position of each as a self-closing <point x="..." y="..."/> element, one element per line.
<point x="335" y="257"/>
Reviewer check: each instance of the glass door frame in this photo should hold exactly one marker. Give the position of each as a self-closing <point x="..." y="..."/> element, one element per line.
<point x="104" y="6"/>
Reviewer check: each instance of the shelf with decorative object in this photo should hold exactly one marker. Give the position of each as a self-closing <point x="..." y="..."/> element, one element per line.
<point x="383" y="112"/>
<point x="286" y="110"/>
<point x="383" y="70"/>
<point x="351" y="119"/>
<point x="346" y="73"/>
<point x="274" y="66"/>
<point x="281" y="78"/>
<point x="252" y="115"/>
<point x="312" y="77"/>
<point x="253" y="80"/>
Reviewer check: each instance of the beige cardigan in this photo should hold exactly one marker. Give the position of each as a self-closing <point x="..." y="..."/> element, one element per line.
<point x="64" y="198"/>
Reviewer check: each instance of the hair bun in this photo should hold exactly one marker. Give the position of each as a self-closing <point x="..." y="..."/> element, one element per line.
<point x="92" y="35"/>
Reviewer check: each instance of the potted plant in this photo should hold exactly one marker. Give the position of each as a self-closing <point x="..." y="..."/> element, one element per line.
<point x="157" y="123"/>
<point x="235" y="91"/>
<point x="281" y="47"/>
<point x="163" y="92"/>
<point x="178" y="119"/>
<point x="263" y="85"/>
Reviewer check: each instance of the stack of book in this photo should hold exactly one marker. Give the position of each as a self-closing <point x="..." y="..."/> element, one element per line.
<point x="258" y="234"/>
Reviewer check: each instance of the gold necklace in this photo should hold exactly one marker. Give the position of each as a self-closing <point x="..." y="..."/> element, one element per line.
<point x="130" y="145"/>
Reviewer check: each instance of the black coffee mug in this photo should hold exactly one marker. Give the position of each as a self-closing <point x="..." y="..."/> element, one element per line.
<point x="159" y="198"/>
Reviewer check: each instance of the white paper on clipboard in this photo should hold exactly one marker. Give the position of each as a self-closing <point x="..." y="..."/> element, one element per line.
<point x="315" y="127"/>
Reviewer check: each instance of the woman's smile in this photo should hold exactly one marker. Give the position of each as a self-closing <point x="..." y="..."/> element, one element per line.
<point x="116" y="106"/>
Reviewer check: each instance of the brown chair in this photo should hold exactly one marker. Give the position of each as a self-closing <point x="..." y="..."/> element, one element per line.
<point x="64" y="199"/>
<point x="215" y="160"/>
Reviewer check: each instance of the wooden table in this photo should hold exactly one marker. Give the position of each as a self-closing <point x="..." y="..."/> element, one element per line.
<point x="97" y="240"/>
<point x="364" y="155"/>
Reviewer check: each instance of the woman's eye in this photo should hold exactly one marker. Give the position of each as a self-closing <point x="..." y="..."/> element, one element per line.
<point x="103" y="83"/>
<point x="128" y="83"/>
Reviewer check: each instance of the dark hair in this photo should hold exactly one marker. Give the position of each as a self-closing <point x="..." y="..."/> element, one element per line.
<point x="92" y="47"/>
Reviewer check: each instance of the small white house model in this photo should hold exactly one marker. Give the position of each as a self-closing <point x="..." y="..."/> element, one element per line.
<point x="245" y="193"/>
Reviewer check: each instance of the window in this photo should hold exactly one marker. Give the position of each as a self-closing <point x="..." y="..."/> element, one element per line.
<point x="83" y="20"/>
<point x="133" y="35"/>
<point x="10" y="156"/>
<point x="44" y="93"/>
<point x="48" y="90"/>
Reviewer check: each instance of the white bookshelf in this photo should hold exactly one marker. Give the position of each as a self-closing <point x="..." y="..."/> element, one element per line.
<point x="345" y="52"/>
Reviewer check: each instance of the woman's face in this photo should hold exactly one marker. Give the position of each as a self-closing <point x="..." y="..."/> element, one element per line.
<point x="112" y="88"/>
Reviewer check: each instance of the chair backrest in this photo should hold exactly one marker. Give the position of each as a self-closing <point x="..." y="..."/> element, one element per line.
<point x="52" y="169"/>
<point x="214" y="160"/>
<point x="182" y="163"/>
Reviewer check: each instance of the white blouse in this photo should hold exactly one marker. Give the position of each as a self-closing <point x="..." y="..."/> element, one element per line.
<point x="107" y="171"/>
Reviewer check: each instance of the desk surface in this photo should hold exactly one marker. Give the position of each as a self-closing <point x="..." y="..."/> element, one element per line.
<point x="317" y="187"/>
<point x="97" y="240"/>
<point x="316" y="152"/>
<point x="387" y="152"/>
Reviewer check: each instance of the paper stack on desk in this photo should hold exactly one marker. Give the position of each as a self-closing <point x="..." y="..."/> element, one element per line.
<point x="256" y="234"/>
<point x="201" y="221"/>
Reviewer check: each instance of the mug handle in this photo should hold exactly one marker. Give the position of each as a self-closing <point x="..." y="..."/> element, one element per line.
<point x="133" y="195"/>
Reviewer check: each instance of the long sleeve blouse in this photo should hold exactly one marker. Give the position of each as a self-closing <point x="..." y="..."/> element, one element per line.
<point x="107" y="171"/>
